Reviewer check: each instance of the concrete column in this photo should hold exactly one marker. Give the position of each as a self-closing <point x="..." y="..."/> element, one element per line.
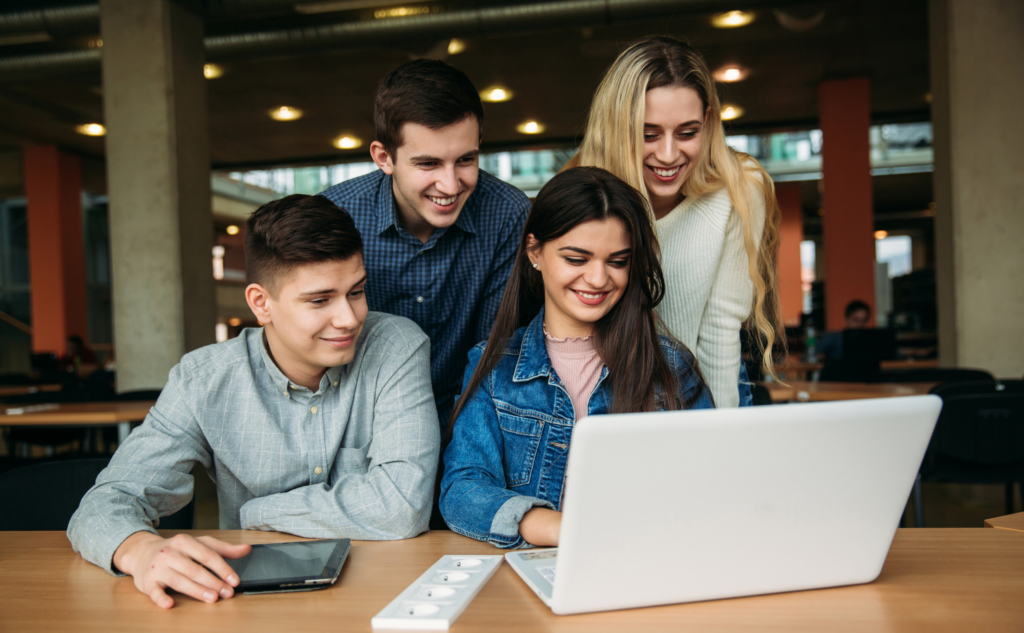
<point x="977" y="79"/>
<point x="56" y="247"/>
<point x="844" y="110"/>
<point x="158" y="172"/>
<point x="791" y="233"/>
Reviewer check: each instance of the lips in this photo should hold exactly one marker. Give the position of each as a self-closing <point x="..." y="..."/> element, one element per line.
<point x="590" y="298"/>
<point x="663" y="174"/>
<point x="444" y="204"/>
<point x="340" y="342"/>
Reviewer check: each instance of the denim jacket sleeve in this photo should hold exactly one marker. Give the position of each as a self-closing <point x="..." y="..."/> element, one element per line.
<point x="692" y="387"/>
<point x="475" y="501"/>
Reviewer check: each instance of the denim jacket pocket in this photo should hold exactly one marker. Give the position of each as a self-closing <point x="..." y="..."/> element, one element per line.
<point x="521" y="433"/>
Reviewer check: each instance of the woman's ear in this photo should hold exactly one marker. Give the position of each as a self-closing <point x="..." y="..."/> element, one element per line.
<point x="532" y="249"/>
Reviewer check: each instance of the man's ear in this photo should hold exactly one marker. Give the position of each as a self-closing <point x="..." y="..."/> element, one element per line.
<point x="258" y="298"/>
<point x="382" y="157"/>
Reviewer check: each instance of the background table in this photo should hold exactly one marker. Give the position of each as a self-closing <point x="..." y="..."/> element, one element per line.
<point x="1013" y="522"/>
<point x="82" y="414"/>
<point x="23" y="390"/>
<point x="801" y="391"/>
<point x="933" y="580"/>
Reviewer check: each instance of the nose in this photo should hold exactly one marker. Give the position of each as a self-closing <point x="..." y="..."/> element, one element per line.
<point x="447" y="181"/>
<point x="666" y="151"/>
<point x="595" y="275"/>
<point x="344" y="318"/>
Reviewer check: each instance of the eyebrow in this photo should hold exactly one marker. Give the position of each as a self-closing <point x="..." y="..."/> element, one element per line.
<point x="328" y="291"/>
<point x="687" y="124"/>
<point x="423" y="158"/>
<point x="581" y="251"/>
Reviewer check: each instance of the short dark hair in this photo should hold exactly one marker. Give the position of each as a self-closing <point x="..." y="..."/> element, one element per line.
<point x="855" y="306"/>
<point x="295" y="230"/>
<point x="427" y="92"/>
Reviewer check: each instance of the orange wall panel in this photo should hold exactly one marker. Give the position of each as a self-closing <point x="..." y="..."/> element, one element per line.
<point x="844" y="110"/>
<point x="791" y="233"/>
<point x="56" y="247"/>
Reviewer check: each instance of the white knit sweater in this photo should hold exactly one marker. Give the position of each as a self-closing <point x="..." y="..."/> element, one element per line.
<point x="708" y="292"/>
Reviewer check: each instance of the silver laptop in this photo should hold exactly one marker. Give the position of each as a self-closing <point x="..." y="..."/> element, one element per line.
<point x="661" y="508"/>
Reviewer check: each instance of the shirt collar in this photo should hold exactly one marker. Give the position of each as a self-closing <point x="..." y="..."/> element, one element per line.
<point x="387" y="210"/>
<point x="533" y="354"/>
<point x="281" y="382"/>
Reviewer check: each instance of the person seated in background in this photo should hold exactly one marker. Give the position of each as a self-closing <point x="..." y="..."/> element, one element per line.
<point x="77" y="354"/>
<point x="576" y="335"/>
<point x="858" y="315"/>
<point x="440" y="232"/>
<point x="321" y="423"/>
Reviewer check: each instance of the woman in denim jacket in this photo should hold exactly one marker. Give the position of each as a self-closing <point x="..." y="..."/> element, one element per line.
<point x="576" y="335"/>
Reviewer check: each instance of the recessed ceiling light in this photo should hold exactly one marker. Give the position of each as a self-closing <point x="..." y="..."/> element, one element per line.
<point x="212" y="71"/>
<point x="881" y="235"/>
<point x="232" y="230"/>
<point x="731" y="112"/>
<point x="530" y="127"/>
<point x="730" y="74"/>
<point x="456" y="46"/>
<point x="732" y="19"/>
<point x="91" y="129"/>
<point x="285" y="113"/>
<point x="348" y="142"/>
<point x="496" y="94"/>
<point x="235" y="322"/>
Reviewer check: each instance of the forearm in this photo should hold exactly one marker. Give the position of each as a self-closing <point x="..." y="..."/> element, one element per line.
<point x="481" y="509"/>
<point x="541" y="526"/>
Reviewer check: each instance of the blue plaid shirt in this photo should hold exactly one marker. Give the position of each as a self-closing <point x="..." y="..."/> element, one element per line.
<point x="452" y="285"/>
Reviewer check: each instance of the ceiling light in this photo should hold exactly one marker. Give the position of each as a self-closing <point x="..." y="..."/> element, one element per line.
<point x="348" y="142"/>
<point x="730" y="74"/>
<point x="91" y="129"/>
<point x="530" y="127"/>
<point x="456" y="46"/>
<point x="731" y="112"/>
<point x="732" y="19"/>
<point x="881" y="235"/>
<point x="235" y="322"/>
<point x="212" y="71"/>
<point x="285" y="113"/>
<point x="232" y="230"/>
<point x="496" y="94"/>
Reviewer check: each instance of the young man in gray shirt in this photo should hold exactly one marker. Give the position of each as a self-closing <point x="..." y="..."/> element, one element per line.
<point x="321" y="423"/>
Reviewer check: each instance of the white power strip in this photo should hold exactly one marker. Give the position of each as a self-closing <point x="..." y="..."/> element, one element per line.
<point x="440" y="595"/>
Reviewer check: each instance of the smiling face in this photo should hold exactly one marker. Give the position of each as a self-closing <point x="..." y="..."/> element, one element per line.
<point x="314" y="318"/>
<point x="434" y="172"/>
<point x="585" y="273"/>
<point x="673" y="136"/>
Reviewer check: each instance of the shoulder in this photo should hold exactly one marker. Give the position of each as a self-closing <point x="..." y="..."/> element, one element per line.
<point x="501" y="207"/>
<point x="512" y="348"/>
<point x="390" y="333"/>
<point x="220" y="358"/>
<point x="345" y="193"/>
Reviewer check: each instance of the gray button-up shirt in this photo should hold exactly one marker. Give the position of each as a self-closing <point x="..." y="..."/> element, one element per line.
<point x="356" y="459"/>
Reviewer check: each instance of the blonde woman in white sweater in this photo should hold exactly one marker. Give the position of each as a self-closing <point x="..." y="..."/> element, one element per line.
<point x="656" y="123"/>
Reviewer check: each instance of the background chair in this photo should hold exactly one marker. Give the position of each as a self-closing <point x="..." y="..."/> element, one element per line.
<point x="44" y="496"/>
<point x="939" y="374"/>
<point x="761" y="395"/>
<point x="978" y="439"/>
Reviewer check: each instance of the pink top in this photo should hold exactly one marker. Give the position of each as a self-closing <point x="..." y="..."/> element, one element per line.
<point x="578" y="364"/>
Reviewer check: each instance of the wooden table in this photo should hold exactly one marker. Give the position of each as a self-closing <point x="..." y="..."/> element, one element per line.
<point x="798" y="368"/>
<point x="933" y="580"/>
<point x="24" y="390"/>
<point x="802" y="391"/>
<point x="82" y="414"/>
<point x="1014" y="522"/>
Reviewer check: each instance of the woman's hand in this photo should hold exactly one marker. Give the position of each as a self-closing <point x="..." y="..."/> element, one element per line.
<point x="541" y="526"/>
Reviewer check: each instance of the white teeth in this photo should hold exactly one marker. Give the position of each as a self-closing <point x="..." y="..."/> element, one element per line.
<point x="665" y="173"/>
<point x="444" y="202"/>
<point x="587" y="296"/>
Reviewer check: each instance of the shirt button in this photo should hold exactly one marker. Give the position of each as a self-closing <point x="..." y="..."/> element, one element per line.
<point x="419" y="299"/>
<point x="335" y="383"/>
<point x="318" y="470"/>
<point x="286" y="393"/>
<point x="313" y="410"/>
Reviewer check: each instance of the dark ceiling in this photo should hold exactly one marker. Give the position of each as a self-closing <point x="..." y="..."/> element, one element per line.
<point x="552" y="71"/>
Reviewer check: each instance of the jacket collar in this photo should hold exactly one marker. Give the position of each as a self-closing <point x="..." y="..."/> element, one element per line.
<point x="277" y="377"/>
<point x="533" y="353"/>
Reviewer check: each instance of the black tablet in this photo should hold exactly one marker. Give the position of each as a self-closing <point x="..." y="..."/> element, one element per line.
<point x="286" y="567"/>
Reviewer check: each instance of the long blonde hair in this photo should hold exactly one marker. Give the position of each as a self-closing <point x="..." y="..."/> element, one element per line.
<point x="614" y="140"/>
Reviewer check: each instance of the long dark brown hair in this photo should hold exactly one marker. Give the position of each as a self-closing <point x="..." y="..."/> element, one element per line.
<point x="626" y="337"/>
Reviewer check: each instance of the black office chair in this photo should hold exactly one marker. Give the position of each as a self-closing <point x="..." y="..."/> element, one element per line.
<point x="978" y="439"/>
<point x="761" y="395"/>
<point x="939" y="374"/>
<point x="44" y="496"/>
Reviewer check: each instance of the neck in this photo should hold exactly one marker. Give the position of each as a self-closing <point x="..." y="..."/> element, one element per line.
<point x="409" y="219"/>
<point x="296" y="371"/>
<point x="662" y="206"/>
<point x="561" y="326"/>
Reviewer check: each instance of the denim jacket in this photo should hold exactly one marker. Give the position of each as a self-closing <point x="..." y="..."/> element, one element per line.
<point x="510" y="443"/>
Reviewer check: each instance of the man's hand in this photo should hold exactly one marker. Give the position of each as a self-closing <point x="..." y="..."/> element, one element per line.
<point x="182" y="563"/>
<point x="541" y="526"/>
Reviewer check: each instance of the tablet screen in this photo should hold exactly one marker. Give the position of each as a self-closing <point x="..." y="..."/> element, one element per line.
<point x="277" y="561"/>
